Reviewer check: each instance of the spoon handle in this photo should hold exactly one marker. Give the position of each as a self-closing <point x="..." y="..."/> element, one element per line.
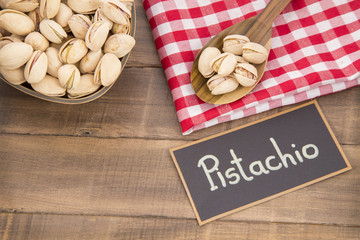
<point x="271" y="11"/>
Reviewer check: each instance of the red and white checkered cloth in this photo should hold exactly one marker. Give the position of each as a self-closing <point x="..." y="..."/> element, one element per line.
<point x="315" y="50"/>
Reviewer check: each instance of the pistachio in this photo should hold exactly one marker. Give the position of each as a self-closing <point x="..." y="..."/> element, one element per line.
<point x="15" y="55"/>
<point x="254" y="53"/>
<point x="90" y="61"/>
<point x="240" y="59"/>
<point x="14" y="76"/>
<point x="107" y="70"/>
<point x="54" y="62"/>
<point x="204" y="61"/>
<point x="63" y="15"/>
<point x="116" y="11"/>
<point x="120" y="28"/>
<point x="49" y="8"/>
<point x="79" y="25"/>
<point x="222" y="84"/>
<point x="72" y="51"/>
<point x="84" y="6"/>
<point x="35" y="16"/>
<point x="99" y="16"/>
<point x="69" y="76"/>
<point x="85" y="87"/>
<point x="224" y="64"/>
<point x="16" y="22"/>
<point x="52" y="31"/>
<point x="49" y="86"/>
<point x="234" y="43"/>
<point x="246" y="74"/>
<point x="22" y="5"/>
<point x="7" y="40"/>
<point x="35" y="68"/>
<point x="96" y="35"/>
<point x="119" y="44"/>
<point x="37" y="41"/>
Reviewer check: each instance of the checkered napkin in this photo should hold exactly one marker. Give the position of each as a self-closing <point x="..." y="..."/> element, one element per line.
<point x="315" y="50"/>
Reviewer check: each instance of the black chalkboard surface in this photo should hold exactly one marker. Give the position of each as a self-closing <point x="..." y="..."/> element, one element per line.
<point x="254" y="163"/>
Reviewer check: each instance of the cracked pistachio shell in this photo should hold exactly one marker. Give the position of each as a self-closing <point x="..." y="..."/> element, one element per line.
<point x="22" y="5"/>
<point x="246" y="74"/>
<point x="85" y="87"/>
<point x="254" y="53"/>
<point x="8" y="39"/>
<point x="63" y="15"/>
<point x="52" y="31"/>
<point x="35" y="68"/>
<point x="116" y="11"/>
<point x="120" y="28"/>
<point x="15" y="55"/>
<point x="16" y="22"/>
<point x="234" y="43"/>
<point x="119" y="44"/>
<point x="49" y="86"/>
<point x="72" y="51"/>
<point x="90" y="61"/>
<point x="107" y="70"/>
<point x="96" y="35"/>
<point x="100" y="16"/>
<point x="37" y="41"/>
<point x="54" y="62"/>
<point x="224" y="64"/>
<point x="49" y="8"/>
<point x="79" y="25"/>
<point x="35" y="16"/>
<point x="205" y="58"/>
<point x="3" y="3"/>
<point x="69" y="76"/>
<point x="222" y="84"/>
<point x="84" y="6"/>
<point x="14" y="76"/>
<point x="240" y="59"/>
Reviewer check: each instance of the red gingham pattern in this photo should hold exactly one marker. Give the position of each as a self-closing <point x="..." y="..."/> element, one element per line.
<point x="315" y="51"/>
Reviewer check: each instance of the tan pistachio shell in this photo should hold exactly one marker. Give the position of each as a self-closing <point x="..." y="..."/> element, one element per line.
<point x="224" y="64"/>
<point x="49" y="8"/>
<point x="52" y="31"/>
<point x="54" y="62"/>
<point x="14" y="76"/>
<point x="72" y="51"/>
<point x="119" y="44"/>
<point x="8" y="39"/>
<point x="69" y="76"/>
<point x="49" y="86"/>
<point x="96" y="35"/>
<point x="222" y="84"/>
<point x="79" y="25"/>
<point x="246" y="74"/>
<point x="254" y="53"/>
<point x="234" y="43"/>
<point x="37" y="41"/>
<point x="90" y="61"/>
<point x="204" y="63"/>
<point x="116" y="11"/>
<point x="85" y="87"/>
<point x="84" y="6"/>
<point x="22" y="5"/>
<point x="100" y="16"/>
<point x="15" y="55"/>
<point x="63" y="15"/>
<point x="107" y="70"/>
<point x="120" y="28"/>
<point x="35" y="16"/>
<point x="35" y="68"/>
<point x="16" y="22"/>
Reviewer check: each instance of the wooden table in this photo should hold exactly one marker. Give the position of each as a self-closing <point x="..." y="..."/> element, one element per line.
<point x="102" y="170"/>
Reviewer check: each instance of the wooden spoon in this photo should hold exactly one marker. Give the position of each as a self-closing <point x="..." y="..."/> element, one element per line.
<point x="258" y="29"/>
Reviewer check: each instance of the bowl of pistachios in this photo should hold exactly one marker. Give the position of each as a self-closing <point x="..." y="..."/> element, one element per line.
<point x="67" y="52"/>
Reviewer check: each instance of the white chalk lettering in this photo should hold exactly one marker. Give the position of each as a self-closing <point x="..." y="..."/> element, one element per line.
<point x="261" y="168"/>
<point x="310" y="156"/>
<point x="282" y="156"/>
<point x="268" y="165"/>
<point x="237" y="162"/>
<point x="207" y="171"/>
<point x="230" y="175"/>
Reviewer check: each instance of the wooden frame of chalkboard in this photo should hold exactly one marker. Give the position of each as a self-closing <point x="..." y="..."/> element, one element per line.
<point x="343" y="167"/>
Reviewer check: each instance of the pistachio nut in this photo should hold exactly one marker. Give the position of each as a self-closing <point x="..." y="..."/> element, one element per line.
<point x="205" y="59"/>
<point x="84" y="6"/>
<point x="72" y="51"/>
<point x="54" y="62"/>
<point x="35" y="68"/>
<point x="35" y="16"/>
<point x="15" y="55"/>
<point x="120" y="28"/>
<point x="234" y="43"/>
<point x="49" y="86"/>
<point x="96" y="35"/>
<point x="254" y="53"/>
<point x="116" y="11"/>
<point x="79" y="25"/>
<point x="52" y="31"/>
<point x="37" y="41"/>
<point x="240" y="59"/>
<point x="8" y="39"/>
<point x="107" y="70"/>
<point x="222" y="84"/>
<point x="22" y="5"/>
<point x="99" y="16"/>
<point x="119" y="44"/>
<point x="16" y="22"/>
<point x="14" y="76"/>
<point x="3" y="3"/>
<point x="128" y="3"/>
<point x="63" y="15"/>
<point x="90" y="61"/>
<point x="85" y="87"/>
<point x="49" y="8"/>
<point x="246" y="74"/>
<point x="224" y="64"/>
<point x="69" y="76"/>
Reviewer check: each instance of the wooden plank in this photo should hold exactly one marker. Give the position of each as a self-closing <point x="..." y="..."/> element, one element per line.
<point x="136" y="177"/>
<point x="140" y="105"/>
<point x="37" y="226"/>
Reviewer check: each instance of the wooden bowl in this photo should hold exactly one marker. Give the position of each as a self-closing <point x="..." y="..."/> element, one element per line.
<point x="26" y="87"/>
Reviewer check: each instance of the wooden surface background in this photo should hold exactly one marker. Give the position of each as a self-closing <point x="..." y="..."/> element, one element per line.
<point x="102" y="170"/>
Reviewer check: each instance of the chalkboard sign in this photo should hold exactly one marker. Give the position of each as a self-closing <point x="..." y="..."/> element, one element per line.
<point x="254" y="163"/>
